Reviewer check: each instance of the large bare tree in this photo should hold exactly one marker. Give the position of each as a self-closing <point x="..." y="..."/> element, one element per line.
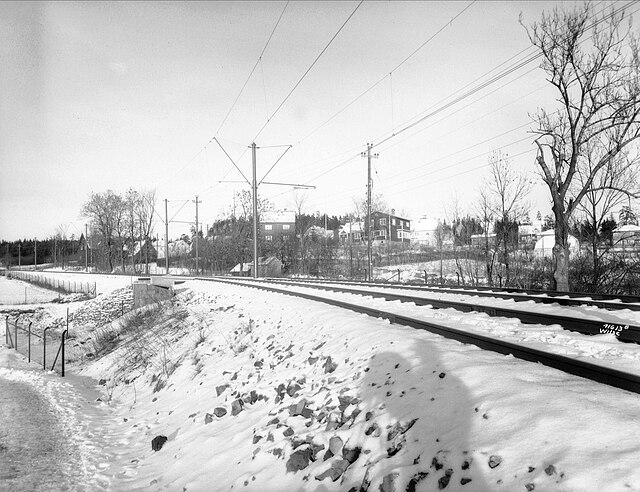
<point x="592" y="63"/>
<point x="506" y="190"/>
<point x="105" y="210"/>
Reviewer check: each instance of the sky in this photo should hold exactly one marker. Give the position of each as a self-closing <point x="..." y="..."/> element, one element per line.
<point x="101" y="96"/>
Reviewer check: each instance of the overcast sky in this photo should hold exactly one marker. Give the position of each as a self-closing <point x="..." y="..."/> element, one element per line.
<point x="97" y="96"/>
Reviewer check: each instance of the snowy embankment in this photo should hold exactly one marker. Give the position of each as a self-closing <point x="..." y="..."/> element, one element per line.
<point x="265" y="392"/>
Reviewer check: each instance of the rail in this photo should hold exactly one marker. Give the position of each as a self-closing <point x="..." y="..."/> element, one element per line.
<point x="594" y="372"/>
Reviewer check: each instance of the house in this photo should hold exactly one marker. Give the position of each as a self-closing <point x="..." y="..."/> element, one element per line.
<point x="177" y="248"/>
<point x="547" y="240"/>
<point x="627" y="237"/>
<point x="351" y="232"/>
<point x="386" y="226"/>
<point x="424" y="230"/>
<point x="278" y="226"/>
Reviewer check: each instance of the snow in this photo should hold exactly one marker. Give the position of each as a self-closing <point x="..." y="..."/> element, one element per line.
<point x="409" y="401"/>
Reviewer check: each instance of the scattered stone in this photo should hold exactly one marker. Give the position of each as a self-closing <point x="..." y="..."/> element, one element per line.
<point x="395" y="449"/>
<point x="293" y="388"/>
<point x="400" y="428"/>
<point x="442" y="375"/>
<point x="315" y="449"/>
<point x="335" y="444"/>
<point x="444" y="481"/>
<point x="236" y="407"/>
<point x="208" y="418"/>
<point x="219" y="411"/>
<point x="464" y="481"/>
<point x="336" y="470"/>
<point x="494" y="461"/>
<point x="417" y="478"/>
<point x="270" y="437"/>
<point x="329" y="365"/>
<point x="374" y="430"/>
<point x="368" y="416"/>
<point x="312" y="360"/>
<point x="435" y="463"/>
<point x="288" y="432"/>
<point x="102" y="382"/>
<point x="351" y="454"/>
<point x="274" y="421"/>
<point x="157" y="442"/>
<point x="389" y="482"/>
<point x="465" y="465"/>
<point x="256" y="438"/>
<point x="221" y="389"/>
<point x="550" y="470"/>
<point x="531" y="468"/>
<point x="299" y="460"/>
<point x="530" y="486"/>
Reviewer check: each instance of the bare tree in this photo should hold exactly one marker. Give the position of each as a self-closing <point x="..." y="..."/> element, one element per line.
<point x="593" y="65"/>
<point x="104" y="210"/>
<point x="604" y="194"/>
<point x="485" y="214"/>
<point x="506" y="192"/>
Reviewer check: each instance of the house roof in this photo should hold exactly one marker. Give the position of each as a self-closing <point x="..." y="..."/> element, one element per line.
<point x="278" y="217"/>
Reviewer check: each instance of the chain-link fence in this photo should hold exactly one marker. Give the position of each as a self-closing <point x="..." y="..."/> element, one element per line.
<point x="46" y="347"/>
<point x="66" y="286"/>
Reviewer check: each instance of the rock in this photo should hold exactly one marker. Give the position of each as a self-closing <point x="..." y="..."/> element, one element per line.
<point x="221" y="389"/>
<point x="288" y="432"/>
<point x="299" y="460"/>
<point x="550" y="470"/>
<point x="351" y="454"/>
<point x="315" y="449"/>
<point x="464" y="481"/>
<point x="400" y="428"/>
<point x="293" y="388"/>
<point x="436" y="464"/>
<point x="530" y="486"/>
<point x="368" y="416"/>
<point x="236" y="407"/>
<point x="208" y="418"/>
<point x="417" y="478"/>
<point x="373" y="430"/>
<point x="102" y="382"/>
<point x="337" y="469"/>
<point x="219" y="411"/>
<point x="312" y="361"/>
<point x="335" y="444"/>
<point x="494" y="460"/>
<point x="157" y="442"/>
<point x="395" y="449"/>
<point x="256" y="438"/>
<point x="444" y="481"/>
<point x="442" y="375"/>
<point x="329" y="365"/>
<point x="465" y="465"/>
<point x="389" y="482"/>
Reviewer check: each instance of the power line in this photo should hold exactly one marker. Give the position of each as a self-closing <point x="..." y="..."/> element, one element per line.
<point x="308" y="70"/>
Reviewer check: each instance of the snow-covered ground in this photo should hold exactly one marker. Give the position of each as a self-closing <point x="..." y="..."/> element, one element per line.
<point x="266" y="392"/>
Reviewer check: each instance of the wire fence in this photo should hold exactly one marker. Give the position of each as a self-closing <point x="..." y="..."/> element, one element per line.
<point x="62" y="286"/>
<point x="46" y="347"/>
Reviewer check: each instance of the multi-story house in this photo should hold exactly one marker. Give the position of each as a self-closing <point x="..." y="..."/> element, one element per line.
<point x="278" y="226"/>
<point x="387" y="226"/>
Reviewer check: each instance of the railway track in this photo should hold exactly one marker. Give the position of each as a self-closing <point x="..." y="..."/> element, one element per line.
<point x="623" y="331"/>
<point x="588" y="370"/>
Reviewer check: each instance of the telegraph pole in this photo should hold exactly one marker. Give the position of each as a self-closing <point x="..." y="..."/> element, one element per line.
<point x="254" y="192"/>
<point x="369" y="156"/>
<point x="19" y="255"/>
<point x="86" y="248"/>
<point x="166" y="236"/>
<point x="196" y="202"/>
<point x="35" y="254"/>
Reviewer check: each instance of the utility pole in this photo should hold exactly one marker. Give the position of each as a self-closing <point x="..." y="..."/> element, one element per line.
<point x="369" y="156"/>
<point x="166" y="236"/>
<point x="19" y="255"/>
<point x="35" y="253"/>
<point x="196" y="202"/>
<point x="86" y="248"/>
<point x="254" y="192"/>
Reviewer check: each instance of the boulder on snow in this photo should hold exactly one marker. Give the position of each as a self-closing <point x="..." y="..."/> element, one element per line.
<point x="219" y="411"/>
<point x="299" y="460"/>
<point x="157" y="442"/>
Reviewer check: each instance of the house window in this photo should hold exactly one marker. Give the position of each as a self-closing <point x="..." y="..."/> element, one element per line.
<point x="286" y="227"/>
<point x="269" y="238"/>
<point x="383" y="221"/>
<point x="268" y="227"/>
<point x="393" y="222"/>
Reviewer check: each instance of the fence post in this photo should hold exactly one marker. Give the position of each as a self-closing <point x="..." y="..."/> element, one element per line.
<point x="15" y="343"/>
<point x="64" y="335"/>
<point x="6" y="330"/>
<point x="44" y="352"/>
<point x="29" y="341"/>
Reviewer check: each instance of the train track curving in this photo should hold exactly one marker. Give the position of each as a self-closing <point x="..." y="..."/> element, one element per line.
<point x="595" y="372"/>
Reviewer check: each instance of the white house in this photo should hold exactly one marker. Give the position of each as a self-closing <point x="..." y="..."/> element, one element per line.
<point x="424" y="231"/>
<point x="547" y="240"/>
<point x="351" y="232"/>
